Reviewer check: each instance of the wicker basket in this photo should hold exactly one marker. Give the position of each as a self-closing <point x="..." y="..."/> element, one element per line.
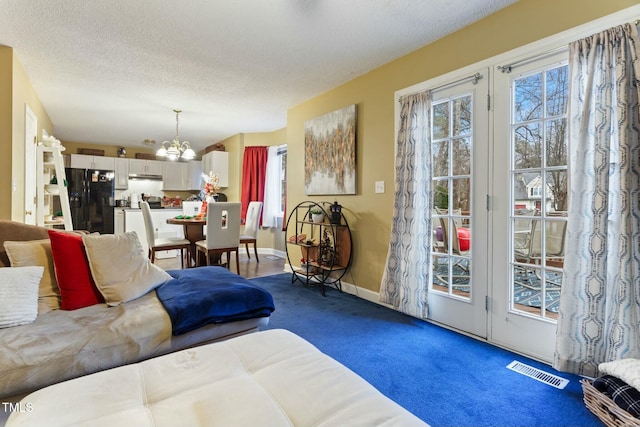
<point x="605" y="409"/>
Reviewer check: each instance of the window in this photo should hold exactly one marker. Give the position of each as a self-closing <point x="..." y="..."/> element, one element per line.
<point x="275" y="189"/>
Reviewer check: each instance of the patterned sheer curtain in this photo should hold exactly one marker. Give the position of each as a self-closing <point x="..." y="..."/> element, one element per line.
<point x="599" y="318"/>
<point x="406" y="274"/>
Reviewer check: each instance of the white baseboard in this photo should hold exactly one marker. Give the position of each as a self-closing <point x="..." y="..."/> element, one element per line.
<point x="350" y="288"/>
<point x="265" y="251"/>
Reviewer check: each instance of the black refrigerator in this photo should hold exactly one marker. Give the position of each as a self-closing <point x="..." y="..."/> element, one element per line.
<point x="91" y="199"/>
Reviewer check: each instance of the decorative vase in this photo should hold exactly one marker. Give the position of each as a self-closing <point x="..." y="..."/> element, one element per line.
<point x="317" y="217"/>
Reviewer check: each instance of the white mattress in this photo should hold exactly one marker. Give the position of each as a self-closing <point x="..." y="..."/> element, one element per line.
<point x="269" y="378"/>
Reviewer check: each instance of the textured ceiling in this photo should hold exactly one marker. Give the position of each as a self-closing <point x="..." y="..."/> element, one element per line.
<point x="112" y="71"/>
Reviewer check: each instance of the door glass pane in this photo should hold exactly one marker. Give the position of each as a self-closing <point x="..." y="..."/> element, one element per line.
<point x="440" y="191"/>
<point x="557" y="191"/>
<point x="440" y="153"/>
<point x="557" y="91"/>
<point x="462" y="116"/>
<point x="440" y="121"/>
<point x="451" y="188"/>
<point x="556" y="142"/>
<point x="539" y="191"/>
<point x="461" y="196"/>
<point x="528" y="98"/>
<point x="528" y="146"/>
<point x="462" y="152"/>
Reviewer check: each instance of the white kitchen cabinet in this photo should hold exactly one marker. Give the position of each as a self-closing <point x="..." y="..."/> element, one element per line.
<point x="193" y="178"/>
<point x="133" y="221"/>
<point x="145" y="167"/>
<point x="173" y="176"/>
<point x="122" y="173"/>
<point x="218" y="163"/>
<point x="180" y="176"/>
<point x="83" y="161"/>
<point x="154" y="167"/>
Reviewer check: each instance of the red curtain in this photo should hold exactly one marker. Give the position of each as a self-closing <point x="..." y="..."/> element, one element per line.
<point x="254" y="171"/>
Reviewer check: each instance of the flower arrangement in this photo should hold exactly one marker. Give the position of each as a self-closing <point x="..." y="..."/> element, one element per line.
<point x="211" y="186"/>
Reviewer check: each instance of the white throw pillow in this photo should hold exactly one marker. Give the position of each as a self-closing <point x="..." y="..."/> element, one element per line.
<point x="19" y="295"/>
<point x="121" y="270"/>
<point x="628" y="370"/>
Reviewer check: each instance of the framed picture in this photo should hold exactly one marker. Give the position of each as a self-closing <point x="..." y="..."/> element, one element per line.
<point x="330" y="153"/>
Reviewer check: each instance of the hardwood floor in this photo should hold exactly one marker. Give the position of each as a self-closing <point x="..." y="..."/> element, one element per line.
<point x="269" y="264"/>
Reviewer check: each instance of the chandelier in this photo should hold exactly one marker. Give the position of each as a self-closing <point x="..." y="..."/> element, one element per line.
<point x="173" y="150"/>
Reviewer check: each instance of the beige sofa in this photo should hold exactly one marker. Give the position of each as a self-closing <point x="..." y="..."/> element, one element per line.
<point x="61" y="345"/>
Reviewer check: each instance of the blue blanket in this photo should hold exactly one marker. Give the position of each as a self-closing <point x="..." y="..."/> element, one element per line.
<point x="199" y="296"/>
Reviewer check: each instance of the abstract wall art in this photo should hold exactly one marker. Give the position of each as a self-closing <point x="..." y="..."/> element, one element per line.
<point x="330" y="153"/>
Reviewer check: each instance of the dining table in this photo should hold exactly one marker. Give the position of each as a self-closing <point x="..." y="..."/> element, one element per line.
<point x="193" y="228"/>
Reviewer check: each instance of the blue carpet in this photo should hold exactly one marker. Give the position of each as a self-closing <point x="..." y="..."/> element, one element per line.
<point x="445" y="378"/>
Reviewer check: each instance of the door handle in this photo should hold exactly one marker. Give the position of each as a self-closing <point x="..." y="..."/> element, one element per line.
<point x="28" y="213"/>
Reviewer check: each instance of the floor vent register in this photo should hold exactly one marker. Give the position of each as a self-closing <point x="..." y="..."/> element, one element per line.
<point x="537" y="374"/>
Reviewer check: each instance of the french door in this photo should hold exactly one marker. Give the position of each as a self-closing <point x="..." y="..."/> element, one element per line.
<point x="459" y="146"/>
<point x="499" y="211"/>
<point x="529" y="213"/>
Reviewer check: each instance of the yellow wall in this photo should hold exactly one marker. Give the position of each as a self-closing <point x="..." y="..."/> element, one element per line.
<point x="17" y="91"/>
<point x="369" y="214"/>
<point x="6" y="73"/>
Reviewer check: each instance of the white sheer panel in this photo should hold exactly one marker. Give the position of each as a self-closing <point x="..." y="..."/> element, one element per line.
<point x="271" y="210"/>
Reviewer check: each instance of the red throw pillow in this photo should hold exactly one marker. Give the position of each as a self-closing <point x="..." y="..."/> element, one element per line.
<point x="73" y="275"/>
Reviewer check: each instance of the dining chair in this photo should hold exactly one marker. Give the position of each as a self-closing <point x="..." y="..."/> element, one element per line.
<point x="164" y="243"/>
<point x="251" y="226"/>
<point x="223" y="233"/>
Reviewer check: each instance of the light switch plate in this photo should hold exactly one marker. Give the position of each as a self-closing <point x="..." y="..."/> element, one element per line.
<point x="379" y="186"/>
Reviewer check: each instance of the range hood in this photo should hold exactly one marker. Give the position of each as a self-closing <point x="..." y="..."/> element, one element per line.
<point x="145" y="176"/>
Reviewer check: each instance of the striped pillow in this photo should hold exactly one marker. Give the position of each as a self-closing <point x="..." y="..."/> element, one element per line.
<point x="19" y="295"/>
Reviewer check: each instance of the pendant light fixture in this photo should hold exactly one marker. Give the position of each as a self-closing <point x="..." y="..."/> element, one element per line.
<point x="174" y="150"/>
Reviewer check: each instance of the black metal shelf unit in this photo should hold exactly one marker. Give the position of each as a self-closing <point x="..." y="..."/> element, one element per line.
<point x="324" y="245"/>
